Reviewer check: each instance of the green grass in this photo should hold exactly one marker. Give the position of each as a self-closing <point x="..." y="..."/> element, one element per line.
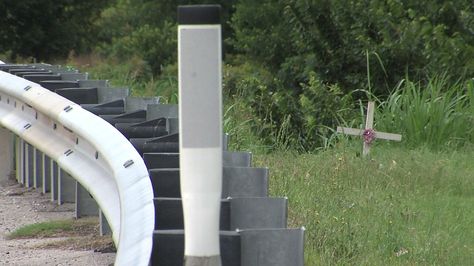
<point x="438" y="114"/>
<point x="68" y="227"/>
<point x="365" y="211"/>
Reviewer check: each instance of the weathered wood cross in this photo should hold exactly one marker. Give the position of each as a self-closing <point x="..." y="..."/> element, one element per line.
<point x="369" y="134"/>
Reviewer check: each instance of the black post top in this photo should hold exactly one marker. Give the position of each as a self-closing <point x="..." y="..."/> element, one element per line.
<point x="199" y="14"/>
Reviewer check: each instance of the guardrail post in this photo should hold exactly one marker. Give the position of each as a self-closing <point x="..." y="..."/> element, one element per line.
<point x="18" y="164"/>
<point x="66" y="187"/>
<point x="104" y="227"/>
<point x="29" y="165"/>
<point x="200" y="121"/>
<point x="6" y="154"/>
<point x="37" y="168"/>
<point x="85" y="204"/>
<point x="22" y="156"/>
<point x="54" y="180"/>
<point x="46" y="174"/>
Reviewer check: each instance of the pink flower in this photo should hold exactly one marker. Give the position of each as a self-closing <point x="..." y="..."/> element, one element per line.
<point x="369" y="136"/>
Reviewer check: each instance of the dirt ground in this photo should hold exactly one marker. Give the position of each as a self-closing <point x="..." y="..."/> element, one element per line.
<point x="20" y="206"/>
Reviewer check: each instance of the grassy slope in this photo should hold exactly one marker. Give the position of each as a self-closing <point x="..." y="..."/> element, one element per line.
<point x="402" y="207"/>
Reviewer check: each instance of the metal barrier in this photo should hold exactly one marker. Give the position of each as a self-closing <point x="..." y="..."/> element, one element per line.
<point x="89" y="149"/>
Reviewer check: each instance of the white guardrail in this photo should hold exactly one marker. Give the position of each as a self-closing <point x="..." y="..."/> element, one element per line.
<point x="93" y="152"/>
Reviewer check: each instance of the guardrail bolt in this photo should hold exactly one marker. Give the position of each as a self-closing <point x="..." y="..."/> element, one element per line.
<point x="128" y="163"/>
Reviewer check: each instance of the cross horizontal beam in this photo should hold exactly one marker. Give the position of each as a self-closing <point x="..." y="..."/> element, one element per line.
<point x="378" y="135"/>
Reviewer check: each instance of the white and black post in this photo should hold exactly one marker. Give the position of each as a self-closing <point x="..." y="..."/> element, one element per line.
<point x="200" y="121"/>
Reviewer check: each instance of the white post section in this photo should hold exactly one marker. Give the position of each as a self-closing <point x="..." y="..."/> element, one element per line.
<point x="200" y="120"/>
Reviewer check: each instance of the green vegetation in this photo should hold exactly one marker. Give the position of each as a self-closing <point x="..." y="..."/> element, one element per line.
<point x="69" y="227"/>
<point x="440" y="114"/>
<point x="409" y="204"/>
<point x="324" y="47"/>
<point x="296" y="69"/>
<point x="402" y="207"/>
<point x="301" y="68"/>
<point x="48" y="29"/>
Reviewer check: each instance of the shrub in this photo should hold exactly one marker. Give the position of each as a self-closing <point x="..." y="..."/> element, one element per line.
<point x="154" y="45"/>
<point x="295" y="37"/>
<point x="147" y="29"/>
<point x="283" y="117"/>
<point x="48" y="29"/>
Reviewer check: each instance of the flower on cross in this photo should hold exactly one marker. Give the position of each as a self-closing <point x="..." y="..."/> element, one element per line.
<point x="369" y="136"/>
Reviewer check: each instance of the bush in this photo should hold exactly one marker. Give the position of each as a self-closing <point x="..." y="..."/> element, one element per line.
<point x="147" y="29"/>
<point x="295" y="37"/>
<point x="154" y="45"/>
<point x="315" y="52"/>
<point x="322" y="108"/>
<point x="285" y="118"/>
<point x="48" y="29"/>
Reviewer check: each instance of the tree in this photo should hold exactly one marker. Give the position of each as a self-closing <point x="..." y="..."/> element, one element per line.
<point x="147" y="29"/>
<point x="44" y="29"/>
<point x="333" y="37"/>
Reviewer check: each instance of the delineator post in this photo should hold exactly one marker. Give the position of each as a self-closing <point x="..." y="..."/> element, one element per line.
<point x="200" y="121"/>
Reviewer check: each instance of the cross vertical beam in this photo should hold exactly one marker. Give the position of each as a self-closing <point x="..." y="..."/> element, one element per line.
<point x="200" y="121"/>
<point x="369" y="124"/>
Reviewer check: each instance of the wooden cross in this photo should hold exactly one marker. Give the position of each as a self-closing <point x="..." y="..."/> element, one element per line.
<point x="369" y="134"/>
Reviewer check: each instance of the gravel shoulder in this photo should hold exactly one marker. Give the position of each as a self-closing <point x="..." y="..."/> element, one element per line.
<point x="19" y="207"/>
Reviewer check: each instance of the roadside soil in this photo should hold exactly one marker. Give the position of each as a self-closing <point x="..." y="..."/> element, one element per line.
<point x="20" y="206"/>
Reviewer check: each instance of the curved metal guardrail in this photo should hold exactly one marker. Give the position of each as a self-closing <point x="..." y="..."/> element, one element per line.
<point x="93" y="152"/>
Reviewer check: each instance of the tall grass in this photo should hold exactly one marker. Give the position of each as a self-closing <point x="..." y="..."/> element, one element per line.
<point x="406" y="207"/>
<point x="438" y="114"/>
